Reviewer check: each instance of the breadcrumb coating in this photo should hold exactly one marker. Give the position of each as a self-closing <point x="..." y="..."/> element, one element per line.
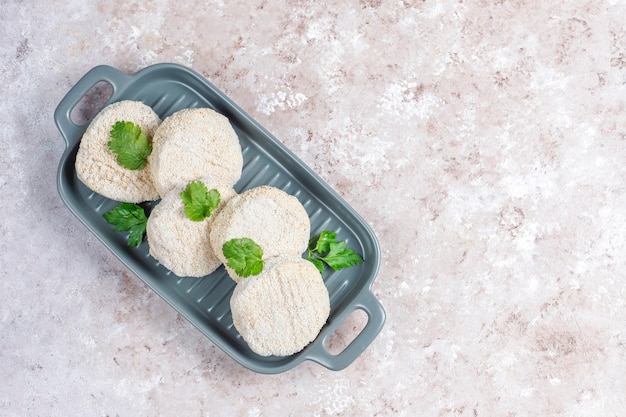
<point x="273" y="219"/>
<point x="180" y="244"/>
<point x="281" y="310"/>
<point x="195" y="143"/>
<point x="96" y="165"/>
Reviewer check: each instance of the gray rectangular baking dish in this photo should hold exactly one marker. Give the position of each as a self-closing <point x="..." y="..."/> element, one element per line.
<point x="205" y="301"/>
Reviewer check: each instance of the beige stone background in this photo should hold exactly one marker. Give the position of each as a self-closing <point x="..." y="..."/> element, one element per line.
<point x="483" y="141"/>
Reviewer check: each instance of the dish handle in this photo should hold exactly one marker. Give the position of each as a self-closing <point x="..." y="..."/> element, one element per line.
<point x="63" y="114"/>
<point x="368" y="303"/>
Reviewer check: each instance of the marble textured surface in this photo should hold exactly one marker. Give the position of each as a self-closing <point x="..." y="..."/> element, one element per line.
<point x="483" y="141"/>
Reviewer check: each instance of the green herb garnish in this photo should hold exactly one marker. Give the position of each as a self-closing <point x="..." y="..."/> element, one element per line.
<point x="199" y="202"/>
<point x="131" y="145"/>
<point x="128" y="217"/>
<point x="244" y="256"/>
<point x="325" y="249"/>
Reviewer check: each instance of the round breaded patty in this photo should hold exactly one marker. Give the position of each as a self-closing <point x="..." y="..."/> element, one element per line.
<point x="180" y="244"/>
<point x="281" y="310"/>
<point x="97" y="166"/>
<point x="195" y="143"/>
<point x="273" y="219"/>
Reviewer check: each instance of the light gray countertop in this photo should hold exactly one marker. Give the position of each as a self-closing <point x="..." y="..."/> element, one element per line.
<point x="483" y="142"/>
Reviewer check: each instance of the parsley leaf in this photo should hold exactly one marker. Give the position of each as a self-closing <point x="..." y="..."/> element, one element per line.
<point x="322" y="244"/>
<point x="198" y="201"/>
<point x="128" y="217"/>
<point x="326" y="250"/>
<point x="318" y="264"/>
<point x="244" y="256"/>
<point x="131" y="145"/>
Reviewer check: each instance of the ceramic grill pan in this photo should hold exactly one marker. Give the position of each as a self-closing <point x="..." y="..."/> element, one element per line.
<point x="205" y="302"/>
